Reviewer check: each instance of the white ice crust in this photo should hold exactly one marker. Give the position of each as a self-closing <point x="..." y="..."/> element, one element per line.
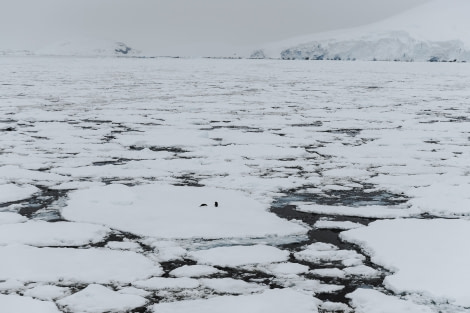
<point x="30" y="264"/>
<point x="19" y="304"/>
<point x="414" y="249"/>
<point x="239" y="255"/>
<point x="372" y="301"/>
<point x="273" y="301"/>
<point x="154" y="210"/>
<point x="99" y="299"/>
<point x="40" y="233"/>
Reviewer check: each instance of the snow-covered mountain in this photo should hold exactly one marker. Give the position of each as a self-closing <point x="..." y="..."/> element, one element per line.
<point x="435" y="31"/>
<point x="88" y="47"/>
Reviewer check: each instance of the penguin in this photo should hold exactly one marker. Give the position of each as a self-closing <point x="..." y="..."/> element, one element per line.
<point x="216" y="204"/>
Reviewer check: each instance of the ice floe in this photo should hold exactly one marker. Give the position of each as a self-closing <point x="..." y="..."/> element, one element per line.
<point x="194" y="271"/>
<point x="239" y="255"/>
<point x="341" y="225"/>
<point x="11" y="218"/>
<point x="12" y="192"/>
<point x="19" y="304"/>
<point x="153" y="210"/>
<point x="99" y="299"/>
<point x="47" y="292"/>
<point x="317" y="252"/>
<point x="231" y="286"/>
<point x="372" y="301"/>
<point x="413" y="249"/>
<point x="156" y="283"/>
<point x="40" y="233"/>
<point x="273" y="301"/>
<point x="31" y="264"/>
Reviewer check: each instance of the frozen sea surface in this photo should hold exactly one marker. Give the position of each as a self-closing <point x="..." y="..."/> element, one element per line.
<point x="168" y="185"/>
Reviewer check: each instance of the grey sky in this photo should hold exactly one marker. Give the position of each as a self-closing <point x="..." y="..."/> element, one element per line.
<point x="179" y="26"/>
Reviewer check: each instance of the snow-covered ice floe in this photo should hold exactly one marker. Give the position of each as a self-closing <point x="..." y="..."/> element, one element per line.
<point x="19" y="304"/>
<point x="40" y="233"/>
<point x="273" y="301"/>
<point x="372" y="301"/>
<point x="154" y="210"/>
<point x="30" y="264"/>
<point x="12" y="192"/>
<point x="426" y="256"/>
<point x="99" y="299"/>
<point x="240" y="255"/>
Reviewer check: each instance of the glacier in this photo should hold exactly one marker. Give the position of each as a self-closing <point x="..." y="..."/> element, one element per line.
<point x="432" y="32"/>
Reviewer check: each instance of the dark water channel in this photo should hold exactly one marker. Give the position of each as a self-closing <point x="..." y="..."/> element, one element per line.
<point x="285" y="207"/>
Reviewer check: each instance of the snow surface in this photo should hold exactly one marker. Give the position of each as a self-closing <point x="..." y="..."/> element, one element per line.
<point x="231" y="286"/>
<point x="317" y="252"/>
<point x="12" y="192"/>
<point x="153" y="210"/>
<point x="30" y="264"/>
<point x="99" y="299"/>
<point x="414" y="249"/>
<point x="156" y="283"/>
<point x="40" y="233"/>
<point x="372" y="301"/>
<point x="19" y="304"/>
<point x="239" y="255"/>
<point x="11" y="218"/>
<point x="274" y="301"/>
<point x="342" y="225"/>
<point x="47" y="292"/>
<point x="194" y="271"/>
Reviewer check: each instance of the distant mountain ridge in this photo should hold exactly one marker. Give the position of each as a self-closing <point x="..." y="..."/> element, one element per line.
<point x="88" y="47"/>
<point x="436" y="31"/>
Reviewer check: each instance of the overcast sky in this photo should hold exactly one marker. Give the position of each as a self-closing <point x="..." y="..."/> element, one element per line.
<point x="179" y="26"/>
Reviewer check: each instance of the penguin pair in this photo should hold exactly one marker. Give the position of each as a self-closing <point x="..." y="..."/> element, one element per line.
<point x="216" y="204"/>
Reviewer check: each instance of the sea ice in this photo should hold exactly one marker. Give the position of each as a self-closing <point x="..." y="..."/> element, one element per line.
<point x="414" y="249"/>
<point x="194" y="271"/>
<point x="156" y="283"/>
<point x="231" y="286"/>
<point x="11" y="218"/>
<point x="239" y="255"/>
<point x="341" y="225"/>
<point x="361" y="270"/>
<point x="372" y="301"/>
<point x="47" y="292"/>
<point x="318" y="252"/>
<point x="40" y="233"/>
<point x="153" y="210"/>
<point x="328" y="272"/>
<point x="99" y="299"/>
<point x="19" y="304"/>
<point x="12" y="192"/>
<point x="287" y="268"/>
<point x="273" y="301"/>
<point x="372" y="211"/>
<point x="30" y="264"/>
